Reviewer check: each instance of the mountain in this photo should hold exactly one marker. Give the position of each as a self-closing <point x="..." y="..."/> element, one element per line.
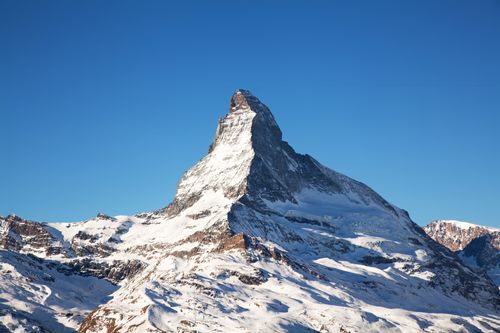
<point x="456" y="235"/>
<point x="258" y="238"/>
<point x="477" y="246"/>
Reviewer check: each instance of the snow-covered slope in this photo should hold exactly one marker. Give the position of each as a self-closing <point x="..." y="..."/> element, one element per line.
<point x="478" y="246"/>
<point x="261" y="239"/>
<point x="36" y="296"/>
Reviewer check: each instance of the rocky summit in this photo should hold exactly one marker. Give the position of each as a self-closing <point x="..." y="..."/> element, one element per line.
<point x="258" y="238"/>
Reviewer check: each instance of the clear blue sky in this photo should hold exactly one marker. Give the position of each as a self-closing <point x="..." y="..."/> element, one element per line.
<point x="104" y="104"/>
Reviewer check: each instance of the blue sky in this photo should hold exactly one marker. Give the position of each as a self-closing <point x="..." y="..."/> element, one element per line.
<point x="103" y="105"/>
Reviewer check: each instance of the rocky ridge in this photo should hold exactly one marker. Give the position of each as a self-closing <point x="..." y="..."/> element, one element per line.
<point x="477" y="246"/>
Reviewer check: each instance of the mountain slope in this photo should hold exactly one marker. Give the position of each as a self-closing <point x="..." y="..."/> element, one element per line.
<point x="36" y="296"/>
<point x="477" y="246"/>
<point x="261" y="238"/>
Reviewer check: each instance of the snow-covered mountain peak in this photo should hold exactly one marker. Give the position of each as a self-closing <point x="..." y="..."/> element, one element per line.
<point x="249" y="159"/>
<point x="258" y="238"/>
<point x="263" y="125"/>
<point x="224" y="170"/>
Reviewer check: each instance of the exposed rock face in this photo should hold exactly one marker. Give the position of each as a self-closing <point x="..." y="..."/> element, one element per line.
<point x="43" y="239"/>
<point x="477" y="246"/>
<point x="456" y="235"/>
<point x="23" y="235"/>
<point x="261" y="238"/>
<point x="485" y="248"/>
<point x="43" y="272"/>
<point x="114" y="271"/>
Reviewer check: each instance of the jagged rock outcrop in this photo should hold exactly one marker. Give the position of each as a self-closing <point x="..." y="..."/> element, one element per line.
<point x="477" y="246"/>
<point x="486" y="249"/>
<point x="22" y="235"/>
<point x="456" y="235"/>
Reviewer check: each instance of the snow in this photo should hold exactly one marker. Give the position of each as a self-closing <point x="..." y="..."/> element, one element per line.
<point x="467" y="225"/>
<point x="45" y="296"/>
<point x="228" y="164"/>
<point x="211" y="303"/>
<point x="178" y="228"/>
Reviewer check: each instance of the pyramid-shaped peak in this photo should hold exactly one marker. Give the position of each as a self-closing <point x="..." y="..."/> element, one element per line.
<point x="247" y="132"/>
<point x="246" y="107"/>
<point x="248" y="120"/>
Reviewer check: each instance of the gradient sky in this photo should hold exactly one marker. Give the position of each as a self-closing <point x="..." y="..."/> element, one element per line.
<point x="104" y="104"/>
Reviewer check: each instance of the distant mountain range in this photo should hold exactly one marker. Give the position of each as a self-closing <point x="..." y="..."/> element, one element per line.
<point x="477" y="246"/>
<point x="258" y="238"/>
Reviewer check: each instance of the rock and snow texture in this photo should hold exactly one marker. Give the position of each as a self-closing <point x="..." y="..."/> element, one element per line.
<point x="258" y="238"/>
<point x="456" y="235"/>
<point x="478" y="246"/>
<point x="37" y="297"/>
